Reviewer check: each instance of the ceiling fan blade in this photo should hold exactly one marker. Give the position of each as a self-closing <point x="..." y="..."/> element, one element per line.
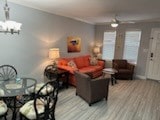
<point x="127" y="22"/>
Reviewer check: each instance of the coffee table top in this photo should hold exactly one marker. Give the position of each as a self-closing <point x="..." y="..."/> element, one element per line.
<point x="109" y="70"/>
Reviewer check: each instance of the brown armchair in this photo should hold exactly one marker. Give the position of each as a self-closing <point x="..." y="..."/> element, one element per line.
<point x="91" y="90"/>
<point x="125" y="69"/>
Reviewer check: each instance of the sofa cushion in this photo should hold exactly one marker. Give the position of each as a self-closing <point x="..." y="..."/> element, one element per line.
<point x="79" y="62"/>
<point x="86" y="70"/>
<point x="62" y="62"/>
<point x="86" y="60"/>
<point x="97" y="67"/>
<point x="72" y="64"/>
<point x="93" y="61"/>
<point x="90" y="69"/>
<point x="101" y="63"/>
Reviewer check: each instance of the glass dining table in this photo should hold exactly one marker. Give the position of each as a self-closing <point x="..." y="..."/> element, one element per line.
<point x="12" y="88"/>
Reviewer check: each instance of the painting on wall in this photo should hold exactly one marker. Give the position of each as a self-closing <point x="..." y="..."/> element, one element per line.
<point x="74" y="44"/>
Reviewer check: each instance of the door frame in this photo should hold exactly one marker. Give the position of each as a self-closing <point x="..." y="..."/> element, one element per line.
<point x="149" y="51"/>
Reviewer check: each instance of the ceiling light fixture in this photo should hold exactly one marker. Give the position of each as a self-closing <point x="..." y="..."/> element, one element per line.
<point x="9" y="26"/>
<point x="114" y="25"/>
<point x="115" y="22"/>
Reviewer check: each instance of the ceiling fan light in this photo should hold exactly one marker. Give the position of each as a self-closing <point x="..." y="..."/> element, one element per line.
<point x="114" y="25"/>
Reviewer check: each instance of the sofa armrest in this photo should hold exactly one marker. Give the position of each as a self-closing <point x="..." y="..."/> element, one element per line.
<point x="101" y="62"/>
<point x="68" y="68"/>
<point x="130" y="66"/>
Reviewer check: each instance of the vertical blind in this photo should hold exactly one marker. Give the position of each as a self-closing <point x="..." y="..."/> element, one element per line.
<point x="109" y="45"/>
<point x="131" y="46"/>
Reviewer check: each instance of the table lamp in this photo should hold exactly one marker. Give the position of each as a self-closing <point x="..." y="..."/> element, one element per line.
<point x="54" y="55"/>
<point x="96" y="50"/>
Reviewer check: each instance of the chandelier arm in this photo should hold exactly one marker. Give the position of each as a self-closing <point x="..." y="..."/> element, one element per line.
<point x="6" y="10"/>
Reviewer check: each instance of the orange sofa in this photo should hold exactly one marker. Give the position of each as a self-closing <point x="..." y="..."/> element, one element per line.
<point x="83" y="65"/>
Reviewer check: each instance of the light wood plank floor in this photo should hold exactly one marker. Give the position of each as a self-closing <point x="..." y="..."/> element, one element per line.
<point x="128" y="100"/>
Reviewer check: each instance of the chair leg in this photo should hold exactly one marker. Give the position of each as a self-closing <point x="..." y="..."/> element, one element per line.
<point x="21" y="118"/>
<point x="5" y="117"/>
<point x="106" y="98"/>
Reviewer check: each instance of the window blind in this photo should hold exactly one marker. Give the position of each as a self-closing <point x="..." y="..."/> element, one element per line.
<point x="131" y="47"/>
<point x="109" y="45"/>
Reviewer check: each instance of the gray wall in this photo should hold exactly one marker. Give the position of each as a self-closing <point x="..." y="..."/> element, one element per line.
<point x="144" y="45"/>
<point x="28" y="51"/>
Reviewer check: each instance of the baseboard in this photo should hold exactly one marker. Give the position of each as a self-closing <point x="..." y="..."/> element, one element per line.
<point x="140" y="77"/>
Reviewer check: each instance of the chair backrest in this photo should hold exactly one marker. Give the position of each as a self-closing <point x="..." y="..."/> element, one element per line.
<point x="83" y="83"/>
<point x="49" y="101"/>
<point x="7" y="72"/>
<point x="120" y="62"/>
<point x="82" y="77"/>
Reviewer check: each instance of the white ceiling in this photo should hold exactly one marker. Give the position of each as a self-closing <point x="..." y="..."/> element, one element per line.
<point x="99" y="11"/>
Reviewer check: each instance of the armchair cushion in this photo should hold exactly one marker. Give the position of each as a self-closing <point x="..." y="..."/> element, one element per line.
<point x="120" y="63"/>
<point x="124" y="71"/>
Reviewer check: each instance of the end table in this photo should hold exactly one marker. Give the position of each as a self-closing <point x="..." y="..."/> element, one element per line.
<point x="62" y="76"/>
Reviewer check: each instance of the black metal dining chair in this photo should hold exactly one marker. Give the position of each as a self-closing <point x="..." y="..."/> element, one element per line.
<point x="7" y="72"/>
<point x="42" y="107"/>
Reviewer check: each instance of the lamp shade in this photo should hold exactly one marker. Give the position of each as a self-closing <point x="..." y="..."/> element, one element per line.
<point x="54" y="53"/>
<point x="96" y="50"/>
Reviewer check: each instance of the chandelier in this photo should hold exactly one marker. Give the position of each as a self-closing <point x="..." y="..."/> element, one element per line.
<point x="9" y="26"/>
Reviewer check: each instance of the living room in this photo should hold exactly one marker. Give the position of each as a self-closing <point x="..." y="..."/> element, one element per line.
<point x="42" y="30"/>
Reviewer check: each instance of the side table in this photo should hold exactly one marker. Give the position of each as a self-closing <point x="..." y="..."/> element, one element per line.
<point x="62" y="76"/>
<point x="111" y="72"/>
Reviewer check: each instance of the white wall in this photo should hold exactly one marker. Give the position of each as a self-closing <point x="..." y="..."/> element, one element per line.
<point x="28" y="51"/>
<point x="144" y="45"/>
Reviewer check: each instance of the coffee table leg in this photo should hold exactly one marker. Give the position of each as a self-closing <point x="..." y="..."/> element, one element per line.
<point x="113" y="79"/>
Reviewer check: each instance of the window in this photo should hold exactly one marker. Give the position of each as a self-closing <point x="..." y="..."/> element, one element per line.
<point x="109" y="45"/>
<point x="131" y="46"/>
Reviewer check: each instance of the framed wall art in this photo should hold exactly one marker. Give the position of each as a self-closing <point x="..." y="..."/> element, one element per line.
<point x="74" y="44"/>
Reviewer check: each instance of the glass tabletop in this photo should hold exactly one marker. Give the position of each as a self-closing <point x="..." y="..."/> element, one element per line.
<point x="14" y="87"/>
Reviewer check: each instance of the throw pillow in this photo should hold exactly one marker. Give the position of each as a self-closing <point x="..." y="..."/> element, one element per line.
<point x="93" y="61"/>
<point x="72" y="64"/>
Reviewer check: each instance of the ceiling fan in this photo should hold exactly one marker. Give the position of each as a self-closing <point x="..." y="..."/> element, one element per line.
<point x="115" y="22"/>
